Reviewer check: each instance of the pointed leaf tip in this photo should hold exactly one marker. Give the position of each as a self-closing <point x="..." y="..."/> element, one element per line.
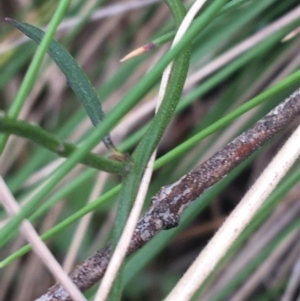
<point x="76" y="77"/>
<point x="143" y="49"/>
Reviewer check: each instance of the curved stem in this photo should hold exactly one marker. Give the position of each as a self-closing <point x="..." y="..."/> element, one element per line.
<point x="143" y="152"/>
<point x="64" y="149"/>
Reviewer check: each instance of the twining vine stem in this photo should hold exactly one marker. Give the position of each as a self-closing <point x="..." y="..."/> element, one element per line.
<point x="169" y="203"/>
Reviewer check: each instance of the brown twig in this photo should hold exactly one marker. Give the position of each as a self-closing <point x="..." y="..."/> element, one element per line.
<point x="169" y="203"/>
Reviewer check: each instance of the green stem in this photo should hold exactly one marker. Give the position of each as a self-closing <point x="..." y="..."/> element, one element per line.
<point x="36" y="134"/>
<point x="143" y="152"/>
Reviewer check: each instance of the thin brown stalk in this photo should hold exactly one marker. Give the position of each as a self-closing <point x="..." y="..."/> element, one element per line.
<point x="169" y="203"/>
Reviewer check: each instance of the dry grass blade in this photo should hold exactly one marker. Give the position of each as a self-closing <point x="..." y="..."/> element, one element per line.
<point x="38" y="245"/>
<point x="261" y="239"/>
<point x="293" y="283"/>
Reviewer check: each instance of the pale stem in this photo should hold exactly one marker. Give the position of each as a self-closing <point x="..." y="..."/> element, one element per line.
<point x="237" y="221"/>
<point x="38" y="246"/>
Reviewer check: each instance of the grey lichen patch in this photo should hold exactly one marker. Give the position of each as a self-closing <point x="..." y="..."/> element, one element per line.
<point x="61" y="293"/>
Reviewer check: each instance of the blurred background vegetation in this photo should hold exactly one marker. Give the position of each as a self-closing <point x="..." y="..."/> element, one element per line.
<point x="98" y="34"/>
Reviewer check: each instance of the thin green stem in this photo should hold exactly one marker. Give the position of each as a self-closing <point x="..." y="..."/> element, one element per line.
<point x="90" y="207"/>
<point x="174" y="153"/>
<point x="38" y="135"/>
<point x="151" y="139"/>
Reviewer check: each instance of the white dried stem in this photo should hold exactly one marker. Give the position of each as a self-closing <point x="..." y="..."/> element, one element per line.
<point x="38" y="246"/>
<point x="122" y="246"/>
<point x="237" y="221"/>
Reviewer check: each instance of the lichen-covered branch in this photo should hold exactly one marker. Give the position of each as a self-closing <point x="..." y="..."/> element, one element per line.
<point x="168" y="204"/>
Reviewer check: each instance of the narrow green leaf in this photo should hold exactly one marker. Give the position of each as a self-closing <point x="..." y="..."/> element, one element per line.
<point x="34" y="66"/>
<point x="76" y="78"/>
